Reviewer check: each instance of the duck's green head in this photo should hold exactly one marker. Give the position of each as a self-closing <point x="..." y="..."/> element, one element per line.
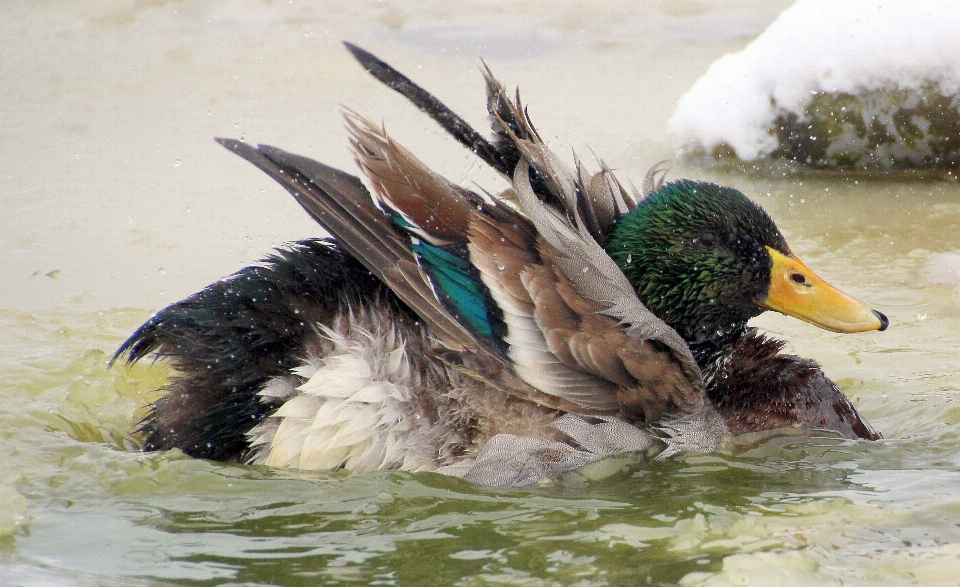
<point x="705" y="259"/>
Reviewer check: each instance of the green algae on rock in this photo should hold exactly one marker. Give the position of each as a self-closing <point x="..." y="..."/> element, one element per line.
<point x="880" y="131"/>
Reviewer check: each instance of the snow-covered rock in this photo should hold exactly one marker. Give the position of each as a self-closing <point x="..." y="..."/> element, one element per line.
<point x="850" y="86"/>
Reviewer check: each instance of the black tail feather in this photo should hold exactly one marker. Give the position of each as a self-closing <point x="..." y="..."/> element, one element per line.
<point x="437" y="110"/>
<point x="502" y="154"/>
<point x="229" y="339"/>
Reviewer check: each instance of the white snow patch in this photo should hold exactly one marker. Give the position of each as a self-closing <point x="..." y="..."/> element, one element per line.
<point x="818" y="46"/>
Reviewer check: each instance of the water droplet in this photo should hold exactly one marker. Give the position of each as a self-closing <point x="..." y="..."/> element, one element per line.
<point x="922" y="316"/>
<point x="177" y="163"/>
<point x="500" y="266"/>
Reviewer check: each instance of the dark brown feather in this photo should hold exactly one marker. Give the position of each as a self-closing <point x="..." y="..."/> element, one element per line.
<point x="755" y="388"/>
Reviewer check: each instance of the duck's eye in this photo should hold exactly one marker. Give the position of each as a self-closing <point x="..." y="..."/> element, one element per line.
<point x="798" y="278"/>
<point x="707" y="239"/>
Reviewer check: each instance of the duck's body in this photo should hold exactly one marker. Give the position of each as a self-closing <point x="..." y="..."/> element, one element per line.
<point x="445" y="330"/>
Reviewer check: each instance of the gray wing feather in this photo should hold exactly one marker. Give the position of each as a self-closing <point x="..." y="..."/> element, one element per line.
<point x="701" y="431"/>
<point x="508" y="460"/>
<point x="592" y="272"/>
<point x="344" y="207"/>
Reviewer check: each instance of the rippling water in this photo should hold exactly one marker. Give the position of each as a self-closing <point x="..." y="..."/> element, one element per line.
<point x="115" y="202"/>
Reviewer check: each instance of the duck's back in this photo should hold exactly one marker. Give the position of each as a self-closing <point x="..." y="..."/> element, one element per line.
<point x="309" y="361"/>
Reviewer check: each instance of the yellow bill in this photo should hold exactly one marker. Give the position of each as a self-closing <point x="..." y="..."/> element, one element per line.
<point x="797" y="291"/>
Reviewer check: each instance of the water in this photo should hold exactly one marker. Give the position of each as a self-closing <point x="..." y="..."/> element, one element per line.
<point x="115" y="202"/>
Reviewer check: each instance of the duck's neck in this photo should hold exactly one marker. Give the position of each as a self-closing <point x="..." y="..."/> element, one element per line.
<point x="709" y="351"/>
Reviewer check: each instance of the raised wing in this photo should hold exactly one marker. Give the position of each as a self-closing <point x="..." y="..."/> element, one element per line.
<point x="530" y="303"/>
<point x="577" y="210"/>
<point x="343" y="206"/>
<point x="574" y="330"/>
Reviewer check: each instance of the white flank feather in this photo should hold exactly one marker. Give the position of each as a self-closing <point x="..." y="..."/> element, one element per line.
<point x="356" y="409"/>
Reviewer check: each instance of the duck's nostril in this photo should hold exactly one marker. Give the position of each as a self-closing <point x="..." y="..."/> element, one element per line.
<point x="798" y="278"/>
<point x="883" y="320"/>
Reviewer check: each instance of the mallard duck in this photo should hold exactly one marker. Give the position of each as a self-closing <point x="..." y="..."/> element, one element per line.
<point x="500" y="338"/>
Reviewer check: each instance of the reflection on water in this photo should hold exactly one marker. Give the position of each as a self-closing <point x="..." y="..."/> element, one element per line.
<point x="117" y="202"/>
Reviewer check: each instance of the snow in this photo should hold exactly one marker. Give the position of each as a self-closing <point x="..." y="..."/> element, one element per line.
<point x="817" y="47"/>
